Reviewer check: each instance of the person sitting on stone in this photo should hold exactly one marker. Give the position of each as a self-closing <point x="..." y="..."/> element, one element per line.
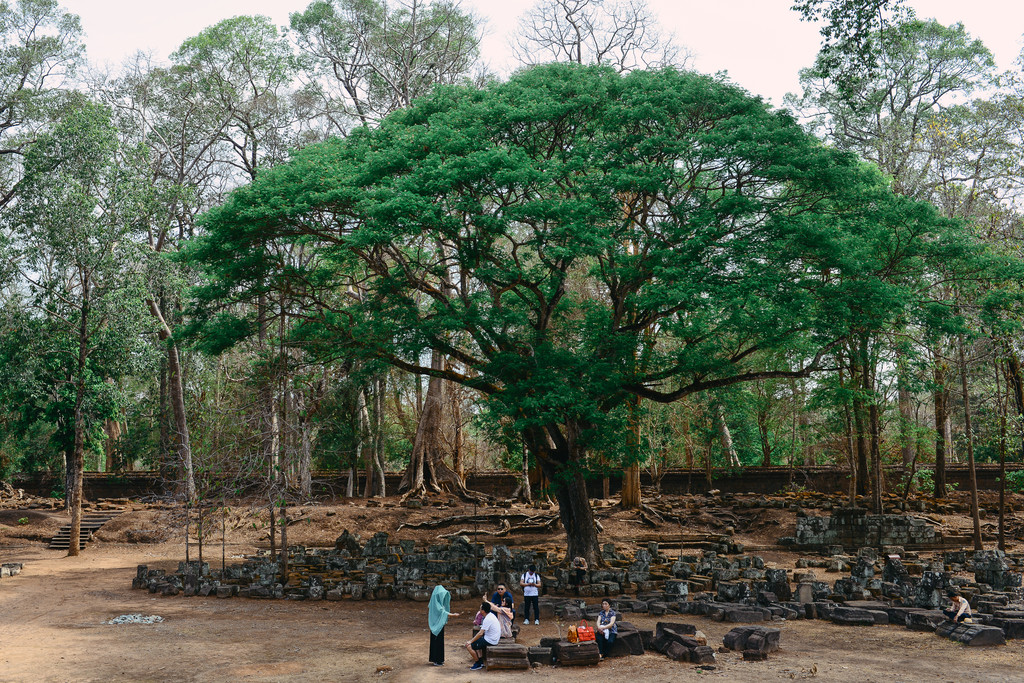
<point x="489" y="634"/>
<point x="606" y="628"/>
<point x="503" y="598"/>
<point x="960" y="610"/>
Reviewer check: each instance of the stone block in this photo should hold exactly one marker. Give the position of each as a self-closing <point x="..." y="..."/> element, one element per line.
<point x="924" y="620"/>
<point x="702" y="654"/>
<point x="852" y="616"/>
<point x="974" y="635"/>
<point x="1012" y="628"/>
<point x="740" y="615"/>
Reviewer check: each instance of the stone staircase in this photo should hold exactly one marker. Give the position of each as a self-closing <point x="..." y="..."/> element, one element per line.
<point x="90" y="523"/>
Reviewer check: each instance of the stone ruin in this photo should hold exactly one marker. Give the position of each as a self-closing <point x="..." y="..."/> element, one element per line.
<point x="855" y="528"/>
<point x="896" y="586"/>
<point x="384" y="569"/>
<point x="10" y="569"/>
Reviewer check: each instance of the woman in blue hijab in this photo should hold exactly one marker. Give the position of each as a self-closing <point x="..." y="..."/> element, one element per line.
<point x="437" y="617"/>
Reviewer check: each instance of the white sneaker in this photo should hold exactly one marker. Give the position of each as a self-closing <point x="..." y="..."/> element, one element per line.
<point x="525" y="622"/>
<point x="536" y="621"/>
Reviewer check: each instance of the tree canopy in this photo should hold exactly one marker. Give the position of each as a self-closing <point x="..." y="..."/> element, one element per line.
<point x="574" y="238"/>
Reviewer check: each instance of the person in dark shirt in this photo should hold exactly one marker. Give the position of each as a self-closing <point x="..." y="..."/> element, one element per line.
<point x="503" y="598"/>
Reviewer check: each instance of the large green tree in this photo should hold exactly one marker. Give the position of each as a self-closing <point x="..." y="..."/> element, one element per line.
<point x="533" y="232"/>
<point x="70" y="241"/>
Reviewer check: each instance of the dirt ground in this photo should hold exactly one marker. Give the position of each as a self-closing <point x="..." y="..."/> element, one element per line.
<point x="52" y="616"/>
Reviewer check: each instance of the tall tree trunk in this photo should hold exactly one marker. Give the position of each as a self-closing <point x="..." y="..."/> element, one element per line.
<point x="1015" y="386"/>
<point x="630" y="497"/>
<point x="687" y="443"/>
<point x="868" y="370"/>
<point x="112" y="430"/>
<point x="427" y="469"/>
<point x="164" y="418"/>
<point x="762" y="430"/>
<point x="1001" y="409"/>
<point x="76" y="467"/>
<point x="728" y="450"/>
<point x="861" y="443"/>
<point x="179" y="437"/>
<point x="454" y="392"/>
<point x="362" y="436"/>
<point x="941" y="398"/>
<point x="970" y="446"/>
<point x="577" y="519"/>
<point x="906" y="420"/>
<point x="378" y="438"/>
<point x="850" y="442"/>
<point x="560" y="459"/>
<point x="524" y="485"/>
<point x="860" y="420"/>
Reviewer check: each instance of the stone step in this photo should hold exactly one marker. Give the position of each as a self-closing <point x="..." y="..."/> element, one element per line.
<point x="90" y="523"/>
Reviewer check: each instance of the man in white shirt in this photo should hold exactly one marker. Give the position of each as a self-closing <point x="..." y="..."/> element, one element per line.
<point x="489" y="634"/>
<point x="531" y="589"/>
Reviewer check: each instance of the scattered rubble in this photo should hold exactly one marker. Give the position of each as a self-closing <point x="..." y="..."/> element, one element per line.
<point x="135" y="619"/>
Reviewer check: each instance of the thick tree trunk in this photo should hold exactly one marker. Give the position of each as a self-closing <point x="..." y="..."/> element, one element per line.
<point x="554" y="453"/>
<point x="630" y="496"/>
<point x="112" y="430"/>
<point x="427" y="469"/>
<point x="577" y="519"/>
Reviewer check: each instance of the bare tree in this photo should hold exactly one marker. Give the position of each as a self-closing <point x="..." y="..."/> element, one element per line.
<point x="622" y="34"/>
<point x="363" y="59"/>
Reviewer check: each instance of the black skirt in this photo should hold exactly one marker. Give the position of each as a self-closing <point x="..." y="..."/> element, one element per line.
<point x="437" y="648"/>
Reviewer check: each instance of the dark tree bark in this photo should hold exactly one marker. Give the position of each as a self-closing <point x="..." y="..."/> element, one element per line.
<point x="970" y="447"/>
<point x="1001" y="408"/>
<point x="1015" y="385"/>
<point x="941" y="399"/>
<point x="561" y="460"/>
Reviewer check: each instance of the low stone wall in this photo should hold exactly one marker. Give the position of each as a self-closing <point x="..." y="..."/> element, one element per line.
<point x="855" y="528"/>
<point x="383" y="568"/>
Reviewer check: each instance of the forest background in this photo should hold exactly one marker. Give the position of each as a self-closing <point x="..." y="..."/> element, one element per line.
<point x="230" y="265"/>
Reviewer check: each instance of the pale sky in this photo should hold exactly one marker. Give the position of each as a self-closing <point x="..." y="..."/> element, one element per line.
<point x="760" y="43"/>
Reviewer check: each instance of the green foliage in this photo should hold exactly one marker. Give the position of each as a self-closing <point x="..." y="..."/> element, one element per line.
<point x="577" y="237"/>
<point x="1015" y="481"/>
